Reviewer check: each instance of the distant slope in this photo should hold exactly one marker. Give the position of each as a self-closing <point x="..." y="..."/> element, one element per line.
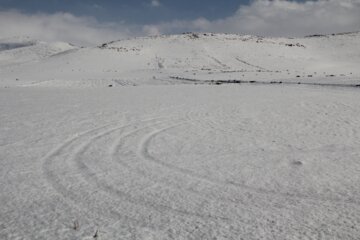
<point x="189" y="57"/>
<point x="15" y="51"/>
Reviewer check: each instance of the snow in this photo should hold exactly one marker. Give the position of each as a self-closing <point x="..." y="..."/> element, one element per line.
<point x="200" y="57"/>
<point x="168" y="159"/>
<point x="15" y="52"/>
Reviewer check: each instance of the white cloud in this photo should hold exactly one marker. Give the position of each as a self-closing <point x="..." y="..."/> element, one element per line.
<point x="60" y="27"/>
<point x="151" y="30"/>
<point x="279" y="18"/>
<point x="155" y="3"/>
<point x="261" y="17"/>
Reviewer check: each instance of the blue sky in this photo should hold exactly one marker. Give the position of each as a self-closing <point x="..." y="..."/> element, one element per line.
<point x="132" y="11"/>
<point x="91" y="22"/>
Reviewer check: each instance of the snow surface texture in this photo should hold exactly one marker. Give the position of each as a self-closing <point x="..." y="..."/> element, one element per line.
<point x="239" y="161"/>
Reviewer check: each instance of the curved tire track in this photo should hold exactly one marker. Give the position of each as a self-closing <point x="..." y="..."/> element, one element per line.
<point x="100" y="185"/>
<point x="144" y="152"/>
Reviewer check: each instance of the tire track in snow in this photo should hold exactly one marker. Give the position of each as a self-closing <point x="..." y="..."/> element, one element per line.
<point x="57" y="151"/>
<point x="144" y="152"/>
<point x="72" y="199"/>
<point x="252" y="65"/>
<point x="50" y="172"/>
<point x="91" y="176"/>
<point x="223" y="65"/>
<point x="188" y="119"/>
<point x="121" y="140"/>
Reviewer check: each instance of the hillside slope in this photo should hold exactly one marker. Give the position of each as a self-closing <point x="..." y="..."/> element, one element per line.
<point x="189" y="57"/>
<point x="21" y="50"/>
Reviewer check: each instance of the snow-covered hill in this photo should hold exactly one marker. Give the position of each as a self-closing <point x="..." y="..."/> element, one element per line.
<point x="17" y="51"/>
<point x="183" y="58"/>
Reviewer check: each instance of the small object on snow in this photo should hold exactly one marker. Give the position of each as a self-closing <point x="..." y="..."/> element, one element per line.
<point x="76" y="225"/>
<point x="96" y="235"/>
<point x="298" y="163"/>
<point x="110" y="85"/>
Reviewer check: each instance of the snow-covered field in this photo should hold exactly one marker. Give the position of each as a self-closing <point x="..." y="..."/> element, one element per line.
<point x="169" y="160"/>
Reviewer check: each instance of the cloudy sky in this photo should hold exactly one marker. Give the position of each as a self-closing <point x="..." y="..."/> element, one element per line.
<point x="89" y="22"/>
